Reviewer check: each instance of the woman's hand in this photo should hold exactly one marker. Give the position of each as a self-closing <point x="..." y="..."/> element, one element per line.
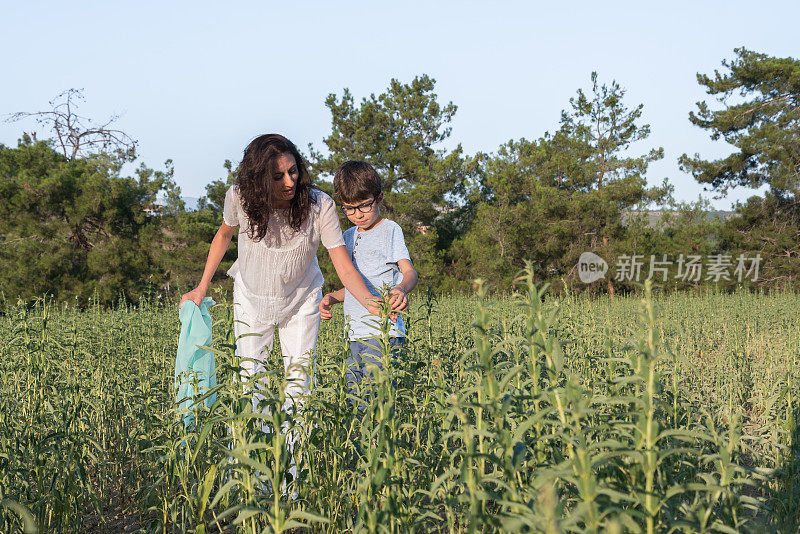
<point x="351" y="278"/>
<point x="196" y="295"/>
<point x="215" y="253"/>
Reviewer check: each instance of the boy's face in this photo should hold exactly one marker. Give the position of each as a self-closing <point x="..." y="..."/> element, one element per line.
<point x="365" y="213"/>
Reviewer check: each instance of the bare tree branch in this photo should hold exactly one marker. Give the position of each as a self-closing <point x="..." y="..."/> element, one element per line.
<point x="77" y="135"/>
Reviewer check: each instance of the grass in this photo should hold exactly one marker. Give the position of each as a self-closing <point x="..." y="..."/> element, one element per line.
<point x="647" y="413"/>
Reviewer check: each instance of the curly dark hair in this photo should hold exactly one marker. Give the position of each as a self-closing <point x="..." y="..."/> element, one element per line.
<point x="254" y="182"/>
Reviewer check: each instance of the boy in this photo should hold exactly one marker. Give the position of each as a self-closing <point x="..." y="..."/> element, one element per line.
<point x="379" y="252"/>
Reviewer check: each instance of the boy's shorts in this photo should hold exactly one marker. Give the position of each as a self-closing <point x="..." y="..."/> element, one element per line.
<point x="366" y="352"/>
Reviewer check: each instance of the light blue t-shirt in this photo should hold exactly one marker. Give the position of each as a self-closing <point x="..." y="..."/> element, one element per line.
<point x="375" y="254"/>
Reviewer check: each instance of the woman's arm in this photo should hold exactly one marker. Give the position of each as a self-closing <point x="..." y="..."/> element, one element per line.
<point x="218" y="247"/>
<point x="351" y="278"/>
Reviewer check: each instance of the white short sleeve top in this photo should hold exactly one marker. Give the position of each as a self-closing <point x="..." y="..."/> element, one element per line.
<point x="280" y="271"/>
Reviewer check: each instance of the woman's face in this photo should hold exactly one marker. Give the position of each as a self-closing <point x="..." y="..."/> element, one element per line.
<point x="284" y="180"/>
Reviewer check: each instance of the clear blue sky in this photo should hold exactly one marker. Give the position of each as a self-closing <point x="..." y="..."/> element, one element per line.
<point x="195" y="81"/>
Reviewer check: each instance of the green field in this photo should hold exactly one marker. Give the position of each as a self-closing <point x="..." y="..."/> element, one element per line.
<point x="674" y="413"/>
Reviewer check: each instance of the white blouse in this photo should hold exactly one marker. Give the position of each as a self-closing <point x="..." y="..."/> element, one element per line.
<point x="280" y="272"/>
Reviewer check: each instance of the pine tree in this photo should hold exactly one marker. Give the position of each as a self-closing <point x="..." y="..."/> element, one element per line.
<point x="760" y="116"/>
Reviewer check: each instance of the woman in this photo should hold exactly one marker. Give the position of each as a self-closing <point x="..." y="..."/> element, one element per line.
<point x="277" y="280"/>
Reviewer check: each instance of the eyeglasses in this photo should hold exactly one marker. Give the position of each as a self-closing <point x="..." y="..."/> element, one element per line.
<point x="366" y="207"/>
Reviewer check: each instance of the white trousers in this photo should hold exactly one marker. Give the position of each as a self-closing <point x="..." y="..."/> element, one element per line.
<point x="298" y="336"/>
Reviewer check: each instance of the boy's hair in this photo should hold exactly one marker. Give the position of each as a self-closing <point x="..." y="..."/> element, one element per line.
<point x="354" y="181"/>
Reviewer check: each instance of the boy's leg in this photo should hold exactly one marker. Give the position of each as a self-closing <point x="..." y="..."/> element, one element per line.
<point x="371" y="353"/>
<point x="355" y="367"/>
<point x="396" y="346"/>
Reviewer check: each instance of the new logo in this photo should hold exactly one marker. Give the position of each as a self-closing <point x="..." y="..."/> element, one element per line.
<point x="591" y="267"/>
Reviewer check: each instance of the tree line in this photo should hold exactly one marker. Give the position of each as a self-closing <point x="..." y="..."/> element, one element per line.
<point x="72" y="226"/>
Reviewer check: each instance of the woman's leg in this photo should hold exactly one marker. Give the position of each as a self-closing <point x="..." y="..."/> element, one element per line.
<point x="252" y="350"/>
<point x="298" y="334"/>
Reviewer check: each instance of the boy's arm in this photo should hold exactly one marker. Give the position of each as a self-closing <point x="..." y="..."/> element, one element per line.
<point x="337" y="296"/>
<point x="328" y="301"/>
<point x="410" y="277"/>
<point x="399" y="298"/>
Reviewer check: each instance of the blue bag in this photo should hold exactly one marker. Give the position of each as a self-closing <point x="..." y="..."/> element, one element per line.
<point x="192" y="360"/>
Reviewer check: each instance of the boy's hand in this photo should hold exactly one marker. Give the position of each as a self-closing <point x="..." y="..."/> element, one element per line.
<point x="398" y="299"/>
<point x="325" y="307"/>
